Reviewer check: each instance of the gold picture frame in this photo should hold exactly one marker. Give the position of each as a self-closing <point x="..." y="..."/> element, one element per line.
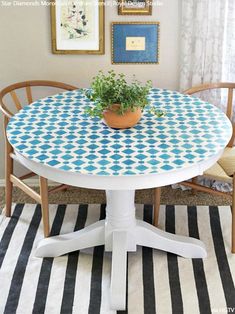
<point x="100" y="37"/>
<point x="125" y="8"/>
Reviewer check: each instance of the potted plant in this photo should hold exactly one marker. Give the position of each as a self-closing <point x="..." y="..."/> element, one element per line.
<point x="120" y="104"/>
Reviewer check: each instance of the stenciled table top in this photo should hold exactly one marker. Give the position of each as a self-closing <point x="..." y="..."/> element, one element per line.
<point x="56" y="132"/>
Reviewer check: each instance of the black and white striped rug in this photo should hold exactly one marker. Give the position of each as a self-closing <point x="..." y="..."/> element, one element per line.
<point x="78" y="283"/>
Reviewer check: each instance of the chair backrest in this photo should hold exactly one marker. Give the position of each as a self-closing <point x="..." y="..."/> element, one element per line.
<point x="27" y="86"/>
<point x="210" y="86"/>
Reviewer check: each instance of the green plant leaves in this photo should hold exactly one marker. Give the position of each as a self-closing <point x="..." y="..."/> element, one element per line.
<point x="113" y="88"/>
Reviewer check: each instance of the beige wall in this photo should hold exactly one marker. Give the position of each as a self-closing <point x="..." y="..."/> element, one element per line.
<point x="25" y="50"/>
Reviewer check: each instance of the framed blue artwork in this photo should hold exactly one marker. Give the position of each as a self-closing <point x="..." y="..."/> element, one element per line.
<point x="135" y="42"/>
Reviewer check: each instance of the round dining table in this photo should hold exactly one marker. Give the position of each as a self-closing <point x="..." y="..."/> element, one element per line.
<point x="56" y="139"/>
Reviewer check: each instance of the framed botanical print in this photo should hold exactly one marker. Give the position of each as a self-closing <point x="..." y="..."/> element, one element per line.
<point x="135" y="42"/>
<point x="77" y="26"/>
<point x="135" y="7"/>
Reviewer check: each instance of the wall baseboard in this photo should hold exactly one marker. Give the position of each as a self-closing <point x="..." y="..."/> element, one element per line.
<point x="30" y="182"/>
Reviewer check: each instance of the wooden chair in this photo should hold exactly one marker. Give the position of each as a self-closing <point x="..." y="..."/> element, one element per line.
<point x="11" y="179"/>
<point x="223" y="170"/>
<point x="156" y="205"/>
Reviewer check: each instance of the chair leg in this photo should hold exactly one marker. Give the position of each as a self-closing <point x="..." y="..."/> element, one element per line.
<point x="194" y="181"/>
<point x="45" y="205"/>
<point x="233" y="216"/>
<point x="157" y="199"/>
<point x="9" y="185"/>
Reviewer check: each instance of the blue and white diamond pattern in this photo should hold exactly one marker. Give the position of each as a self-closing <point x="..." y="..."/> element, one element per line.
<point x="56" y="132"/>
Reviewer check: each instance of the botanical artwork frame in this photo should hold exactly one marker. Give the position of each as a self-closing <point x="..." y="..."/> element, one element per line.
<point x="134" y="7"/>
<point x="77" y="26"/>
<point x="135" y="42"/>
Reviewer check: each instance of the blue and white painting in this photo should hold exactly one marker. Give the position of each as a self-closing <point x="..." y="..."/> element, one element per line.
<point x="135" y="42"/>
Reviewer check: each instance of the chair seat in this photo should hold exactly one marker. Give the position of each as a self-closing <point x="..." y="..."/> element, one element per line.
<point x="224" y="169"/>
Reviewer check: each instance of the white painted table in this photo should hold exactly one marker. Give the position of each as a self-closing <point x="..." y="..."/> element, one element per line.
<point x="55" y="139"/>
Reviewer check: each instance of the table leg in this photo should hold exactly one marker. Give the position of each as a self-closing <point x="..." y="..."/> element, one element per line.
<point x="118" y="276"/>
<point x="90" y="236"/>
<point x="148" y="235"/>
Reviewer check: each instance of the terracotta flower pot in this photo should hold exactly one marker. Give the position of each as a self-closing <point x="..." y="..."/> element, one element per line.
<point x="124" y="121"/>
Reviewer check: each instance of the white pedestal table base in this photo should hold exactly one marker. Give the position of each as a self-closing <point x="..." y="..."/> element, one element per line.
<point x="120" y="232"/>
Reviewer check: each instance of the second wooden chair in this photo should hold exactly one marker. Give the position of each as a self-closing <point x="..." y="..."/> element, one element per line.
<point x="224" y="169"/>
<point x="10" y="177"/>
